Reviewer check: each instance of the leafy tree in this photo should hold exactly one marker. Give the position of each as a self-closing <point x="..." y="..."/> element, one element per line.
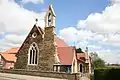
<point x="79" y="50"/>
<point x="99" y="63"/>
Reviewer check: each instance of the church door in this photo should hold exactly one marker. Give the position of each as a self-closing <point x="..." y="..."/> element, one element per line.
<point x="80" y="67"/>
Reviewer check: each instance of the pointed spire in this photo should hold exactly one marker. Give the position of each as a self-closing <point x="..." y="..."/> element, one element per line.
<point x="50" y="17"/>
<point x="52" y="10"/>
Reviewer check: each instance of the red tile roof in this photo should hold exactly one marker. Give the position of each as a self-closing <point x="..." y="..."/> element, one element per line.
<point x="12" y="50"/>
<point x="65" y="55"/>
<point x="60" y="42"/>
<point x="9" y="57"/>
<point x="81" y="56"/>
<point x="9" y="54"/>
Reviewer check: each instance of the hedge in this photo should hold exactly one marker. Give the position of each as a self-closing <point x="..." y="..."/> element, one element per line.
<point x="107" y="74"/>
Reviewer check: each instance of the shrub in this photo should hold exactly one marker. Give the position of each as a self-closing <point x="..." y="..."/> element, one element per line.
<point x="107" y="74"/>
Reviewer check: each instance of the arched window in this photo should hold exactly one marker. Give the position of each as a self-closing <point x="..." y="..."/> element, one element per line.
<point x="33" y="53"/>
<point x="49" y="19"/>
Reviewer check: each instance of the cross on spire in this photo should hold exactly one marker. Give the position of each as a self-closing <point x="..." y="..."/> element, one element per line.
<point x="36" y="20"/>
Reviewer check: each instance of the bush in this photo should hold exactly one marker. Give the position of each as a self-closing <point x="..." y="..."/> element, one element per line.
<point x="107" y="74"/>
<point x="99" y="63"/>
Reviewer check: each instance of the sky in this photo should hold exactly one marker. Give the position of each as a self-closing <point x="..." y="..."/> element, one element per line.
<point x="81" y="23"/>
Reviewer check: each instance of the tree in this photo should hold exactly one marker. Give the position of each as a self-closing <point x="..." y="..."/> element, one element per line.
<point x="79" y="50"/>
<point x="99" y="63"/>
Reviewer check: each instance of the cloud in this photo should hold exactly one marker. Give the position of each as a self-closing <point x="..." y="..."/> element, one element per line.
<point x="81" y="37"/>
<point x="105" y="22"/>
<point x="73" y="34"/>
<point x="114" y="38"/>
<point x="100" y="32"/>
<point x="18" y="20"/>
<point x="11" y="40"/>
<point x="15" y="23"/>
<point x="115" y="1"/>
<point x="32" y="1"/>
<point x="109" y="56"/>
<point x="68" y="38"/>
<point x="18" y="39"/>
<point x="111" y="40"/>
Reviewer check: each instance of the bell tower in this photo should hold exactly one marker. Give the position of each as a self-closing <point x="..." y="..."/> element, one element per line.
<point x="50" y="17"/>
<point x="50" y="48"/>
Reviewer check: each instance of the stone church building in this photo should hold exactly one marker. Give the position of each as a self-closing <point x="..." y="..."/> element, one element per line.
<point x="42" y="50"/>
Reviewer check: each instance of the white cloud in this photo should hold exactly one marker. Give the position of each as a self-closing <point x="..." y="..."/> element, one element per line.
<point x="105" y="28"/>
<point x="105" y="22"/>
<point x="32" y="1"/>
<point x="81" y="37"/>
<point x="115" y="1"/>
<point x="18" y="20"/>
<point x="112" y="40"/>
<point x="109" y="56"/>
<point x="15" y="23"/>
<point x="68" y="34"/>
<point x="101" y="27"/>
<point x="86" y="38"/>
<point x="73" y="34"/>
<point x="11" y="40"/>
<point x="100" y="32"/>
<point x="94" y="47"/>
<point x="15" y="39"/>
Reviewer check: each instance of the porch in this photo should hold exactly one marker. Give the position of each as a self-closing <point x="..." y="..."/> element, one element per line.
<point x="62" y="68"/>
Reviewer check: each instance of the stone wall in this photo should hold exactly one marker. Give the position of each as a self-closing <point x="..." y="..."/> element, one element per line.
<point x="49" y="48"/>
<point x="22" y="56"/>
<point x="68" y="76"/>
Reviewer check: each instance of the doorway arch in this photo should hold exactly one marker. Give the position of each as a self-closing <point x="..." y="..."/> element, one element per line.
<point x="80" y="67"/>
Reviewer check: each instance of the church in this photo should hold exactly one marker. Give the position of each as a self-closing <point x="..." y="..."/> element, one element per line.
<point x="42" y="50"/>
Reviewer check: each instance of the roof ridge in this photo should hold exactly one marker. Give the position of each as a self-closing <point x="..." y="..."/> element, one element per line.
<point x="39" y="28"/>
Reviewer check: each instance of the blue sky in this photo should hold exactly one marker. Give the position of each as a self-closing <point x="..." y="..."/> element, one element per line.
<point x="69" y="11"/>
<point x="88" y="23"/>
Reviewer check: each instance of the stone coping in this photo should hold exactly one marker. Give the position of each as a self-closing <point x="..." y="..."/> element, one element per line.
<point x="61" y="75"/>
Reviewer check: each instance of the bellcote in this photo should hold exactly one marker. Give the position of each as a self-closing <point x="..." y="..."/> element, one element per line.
<point x="50" y="17"/>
